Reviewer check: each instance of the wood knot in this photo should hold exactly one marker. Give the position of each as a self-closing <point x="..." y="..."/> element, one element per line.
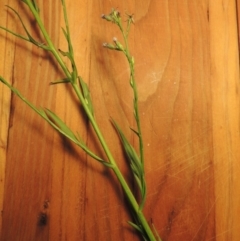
<point x="43" y="215"/>
<point x="42" y="219"/>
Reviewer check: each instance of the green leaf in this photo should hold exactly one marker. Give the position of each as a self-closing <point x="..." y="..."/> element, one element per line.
<point x="135" y="163"/>
<point x="86" y="94"/>
<point x="139" y="229"/>
<point x="61" y="81"/>
<point x="90" y="153"/>
<point x="52" y="116"/>
<point x="65" y="54"/>
<point x="30" y="38"/>
<point x="36" y="6"/>
<point x="57" y="124"/>
<point x="135" y="132"/>
<point x="68" y="133"/>
<point x="65" y="34"/>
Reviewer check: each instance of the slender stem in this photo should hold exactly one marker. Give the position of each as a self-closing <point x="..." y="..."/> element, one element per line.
<point x="48" y="39"/>
<point x="115" y="168"/>
<point x="129" y="194"/>
<point x="135" y="100"/>
<point x="135" y="92"/>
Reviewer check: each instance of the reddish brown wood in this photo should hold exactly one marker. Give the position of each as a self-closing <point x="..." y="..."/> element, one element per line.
<point x="187" y="68"/>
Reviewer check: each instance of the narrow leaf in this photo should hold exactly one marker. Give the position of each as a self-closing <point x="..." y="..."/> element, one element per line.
<point x="65" y="34"/>
<point x="65" y="54"/>
<point x="86" y="94"/>
<point x="57" y="124"/>
<point x="139" y="229"/>
<point x="36" y="6"/>
<point x="30" y="38"/>
<point x="135" y="226"/>
<point x="61" y="81"/>
<point x="52" y="116"/>
<point x="135" y="132"/>
<point x="135" y="164"/>
<point x="15" y="34"/>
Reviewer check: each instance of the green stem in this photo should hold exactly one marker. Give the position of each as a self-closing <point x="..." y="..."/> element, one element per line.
<point x="135" y="100"/>
<point x="48" y="39"/>
<point x="115" y="168"/>
<point x="135" y="93"/>
<point x="136" y="208"/>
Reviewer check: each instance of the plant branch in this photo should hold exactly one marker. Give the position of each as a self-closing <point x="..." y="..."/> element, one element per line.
<point x="82" y="92"/>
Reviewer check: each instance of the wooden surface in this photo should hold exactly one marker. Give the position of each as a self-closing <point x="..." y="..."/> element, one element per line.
<point x="187" y="68"/>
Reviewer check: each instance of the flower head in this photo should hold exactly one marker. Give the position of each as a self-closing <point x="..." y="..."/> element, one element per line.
<point x="113" y="16"/>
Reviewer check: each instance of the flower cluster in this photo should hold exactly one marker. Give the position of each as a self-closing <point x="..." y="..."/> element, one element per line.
<point x="116" y="46"/>
<point x="113" y="16"/>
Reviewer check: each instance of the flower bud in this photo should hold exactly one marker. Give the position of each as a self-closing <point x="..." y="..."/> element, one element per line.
<point x="107" y="17"/>
<point x="109" y="46"/>
<point x="118" y="44"/>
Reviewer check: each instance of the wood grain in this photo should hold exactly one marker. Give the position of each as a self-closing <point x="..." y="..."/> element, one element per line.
<point x="187" y="68"/>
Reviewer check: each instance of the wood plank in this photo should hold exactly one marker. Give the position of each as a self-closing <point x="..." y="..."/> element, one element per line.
<point x="7" y="43"/>
<point x="187" y="68"/>
<point x="225" y="113"/>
